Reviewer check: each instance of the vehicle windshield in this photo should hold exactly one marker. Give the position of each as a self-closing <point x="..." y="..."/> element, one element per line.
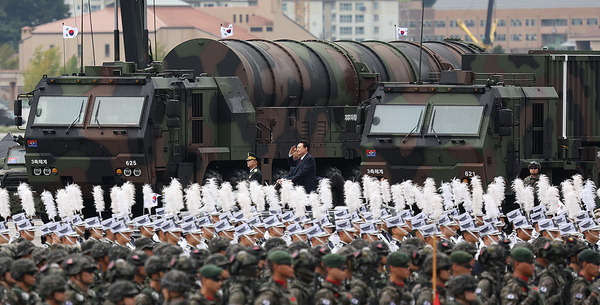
<point x="397" y="119"/>
<point x="117" y="110"/>
<point x="60" y="110"/>
<point x="15" y="156"/>
<point x="456" y="120"/>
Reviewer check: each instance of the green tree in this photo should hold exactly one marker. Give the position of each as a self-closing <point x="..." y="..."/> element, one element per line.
<point x="16" y="14"/>
<point x="46" y="62"/>
<point x="8" y="58"/>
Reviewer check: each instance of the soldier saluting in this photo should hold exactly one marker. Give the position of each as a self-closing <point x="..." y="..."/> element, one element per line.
<point x="255" y="173"/>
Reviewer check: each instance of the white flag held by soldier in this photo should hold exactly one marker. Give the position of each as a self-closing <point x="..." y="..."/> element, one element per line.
<point x="401" y="32"/>
<point x="227" y="32"/>
<point x="70" y="32"/>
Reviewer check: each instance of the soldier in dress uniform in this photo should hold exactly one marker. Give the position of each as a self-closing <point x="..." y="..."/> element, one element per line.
<point x="252" y="162"/>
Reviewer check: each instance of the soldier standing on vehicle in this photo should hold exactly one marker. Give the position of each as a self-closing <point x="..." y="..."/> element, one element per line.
<point x="582" y="290"/>
<point x="275" y="291"/>
<point x="534" y="174"/>
<point x="517" y="290"/>
<point x="255" y="173"/>
<point x="396" y="291"/>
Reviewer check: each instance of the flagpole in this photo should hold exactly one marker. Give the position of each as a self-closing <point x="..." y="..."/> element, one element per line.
<point x="421" y="40"/>
<point x="395" y="32"/>
<point x="64" y="51"/>
<point x="81" y="68"/>
<point x="434" y="273"/>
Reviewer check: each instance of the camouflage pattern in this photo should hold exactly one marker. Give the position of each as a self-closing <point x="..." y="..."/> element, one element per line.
<point x="583" y="292"/>
<point x="274" y="293"/>
<point x="395" y="294"/>
<point x="332" y="294"/>
<point x="518" y="291"/>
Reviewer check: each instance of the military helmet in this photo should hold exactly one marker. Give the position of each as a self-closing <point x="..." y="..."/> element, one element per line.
<point x="538" y="244"/>
<point x="137" y="258"/>
<point x="77" y="263"/>
<point x="359" y="243"/>
<point x="185" y="264"/>
<point x="199" y="256"/>
<point x="120" y="270"/>
<point x="460" y="283"/>
<point x="155" y="264"/>
<point x="117" y="252"/>
<point x="120" y="290"/>
<point x="273" y="243"/>
<point x="5" y="263"/>
<point x="534" y="164"/>
<point x="24" y="248"/>
<point x="443" y="262"/>
<point x="51" y="284"/>
<point x="218" y="260"/>
<point x="176" y="280"/>
<point x="233" y="249"/>
<point x="257" y="251"/>
<point x="218" y="244"/>
<point x="243" y="263"/>
<point x="56" y="256"/>
<point x="297" y="245"/>
<point x="21" y="267"/>
<point x="574" y="246"/>
<point x="304" y="259"/>
<point x="86" y="246"/>
<point x="466" y="247"/>
<point x="365" y="259"/>
<point x="554" y="251"/>
<point x="320" y="250"/>
<point x="99" y="250"/>
<point x="493" y="256"/>
<point x="380" y="248"/>
<point x="39" y="255"/>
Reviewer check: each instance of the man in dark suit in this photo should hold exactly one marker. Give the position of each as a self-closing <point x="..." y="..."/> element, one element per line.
<point x="255" y="173"/>
<point x="303" y="169"/>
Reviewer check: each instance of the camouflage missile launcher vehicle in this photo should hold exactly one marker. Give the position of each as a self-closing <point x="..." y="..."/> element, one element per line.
<point x="492" y="120"/>
<point x="199" y="112"/>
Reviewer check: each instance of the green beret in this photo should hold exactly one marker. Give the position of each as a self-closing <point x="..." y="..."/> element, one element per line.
<point x="521" y="254"/>
<point x="589" y="256"/>
<point x="398" y="259"/>
<point x="210" y="271"/>
<point x="460" y="257"/>
<point x="333" y="260"/>
<point x="280" y="257"/>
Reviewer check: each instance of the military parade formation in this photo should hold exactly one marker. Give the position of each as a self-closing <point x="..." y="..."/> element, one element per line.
<point x="398" y="244"/>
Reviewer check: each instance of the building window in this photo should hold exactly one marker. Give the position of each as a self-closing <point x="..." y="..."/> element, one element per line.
<point x="256" y="29"/>
<point x="426" y="24"/>
<point x="345" y="6"/>
<point x="554" y="22"/>
<point x="453" y="24"/>
<point x="375" y="30"/>
<point x="412" y="24"/>
<point x="345" y="18"/>
<point x="376" y="18"/>
<point x="359" y="18"/>
<point x="515" y="37"/>
<point x="530" y="22"/>
<point x="440" y="24"/>
<point x="345" y="30"/>
<point x="284" y="7"/>
<point x="359" y="30"/>
<point x="468" y="39"/>
<point x="269" y="29"/>
<point x="501" y="22"/>
<point x="375" y="5"/>
<point x="481" y="23"/>
<point x="360" y="6"/>
<point x="576" y="21"/>
<point x="470" y="23"/>
<point x="592" y="21"/>
<point x="51" y="46"/>
<point x="501" y="37"/>
<point x="531" y="37"/>
<point x="79" y="50"/>
<point x="106" y="50"/>
<point x="515" y="22"/>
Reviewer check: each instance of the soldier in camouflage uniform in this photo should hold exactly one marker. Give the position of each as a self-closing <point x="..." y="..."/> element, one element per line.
<point x="331" y="292"/>
<point x="396" y="291"/>
<point x="303" y="285"/>
<point x="175" y="285"/>
<point x="424" y="293"/>
<point x="211" y="283"/>
<point x="551" y="280"/>
<point x="242" y="283"/>
<point x="23" y="272"/>
<point x="80" y="270"/>
<point x="155" y="267"/>
<point x="364" y="275"/>
<point x="5" y="287"/>
<point x="275" y="291"/>
<point x="121" y="293"/>
<point x="517" y="290"/>
<point x="493" y="258"/>
<point x="52" y="290"/>
<point x="534" y="174"/>
<point x="582" y="289"/>
<point x="460" y="290"/>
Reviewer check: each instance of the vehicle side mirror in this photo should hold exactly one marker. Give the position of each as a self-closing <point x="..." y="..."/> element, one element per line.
<point x="173" y="109"/>
<point x="172" y="122"/>
<point x="18" y="108"/>
<point x="505" y="117"/>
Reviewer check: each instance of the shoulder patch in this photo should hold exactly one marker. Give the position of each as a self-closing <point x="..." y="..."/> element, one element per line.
<point x="579" y="296"/>
<point x="354" y="301"/>
<point x="68" y="303"/>
<point x="392" y="303"/>
<point x="510" y="296"/>
<point x="478" y="290"/>
<point x="543" y="289"/>
<point x="426" y="303"/>
<point x="80" y="297"/>
<point x="266" y="302"/>
<point x="25" y="296"/>
<point x="325" y="302"/>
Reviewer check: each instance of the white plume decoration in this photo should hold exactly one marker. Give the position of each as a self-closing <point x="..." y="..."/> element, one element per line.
<point x="62" y="204"/>
<point x="523" y="195"/>
<point x="570" y="198"/>
<point x="587" y="196"/>
<point x="325" y="195"/>
<point x="226" y="196"/>
<point x="193" y="198"/>
<point x="548" y="195"/>
<point x="272" y="198"/>
<point x="4" y="204"/>
<point x="49" y="204"/>
<point x="375" y="200"/>
<point x="115" y="191"/>
<point x="490" y="205"/>
<point x="298" y="201"/>
<point x="462" y="195"/>
<point x="173" y="197"/>
<point x="98" y="194"/>
<point x="477" y="190"/>
<point x="496" y="191"/>
<point x="447" y="195"/>
<point x="210" y="194"/>
<point x="577" y="186"/>
<point x="433" y="200"/>
<point x="367" y="187"/>
<point x="287" y="187"/>
<point x="128" y="194"/>
<point x="317" y="207"/>
<point x="398" y="196"/>
<point x="408" y="191"/>
<point x="243" y="198"/>
<point x="352" y="196"/>
<point x="386" y="194"/>
<point x="420" y="201"/>
<point x="26" y="195"/>
<point x="257" y="194"/>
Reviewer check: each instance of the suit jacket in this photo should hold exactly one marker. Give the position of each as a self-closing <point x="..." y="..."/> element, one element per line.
<point x="303" y="172"/>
